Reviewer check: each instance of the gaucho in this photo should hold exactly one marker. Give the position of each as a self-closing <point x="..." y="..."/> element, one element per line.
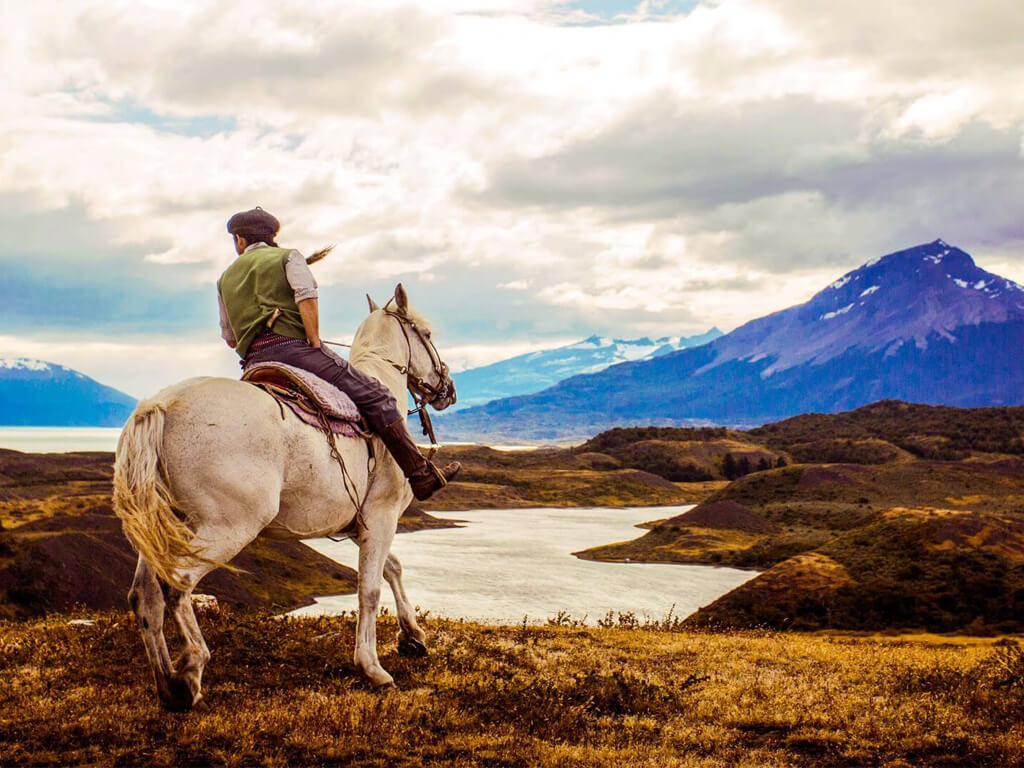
<point x="269" y="312"/>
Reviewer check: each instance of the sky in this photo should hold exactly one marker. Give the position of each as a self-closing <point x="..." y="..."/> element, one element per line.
<point x="532" y="171"/>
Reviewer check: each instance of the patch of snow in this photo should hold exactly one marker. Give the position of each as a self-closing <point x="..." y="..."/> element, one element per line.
<point x="935" y="258"/>
<point x="873" y="261"/>
<point x="961" y="283"/>
<point x="840" y="282"/>
<point x="23" y="364"/>
<point x="980" y="285"/>
<point x="841" y="311"/>
<point x="595" y="342"/>
<point x="869" y="291"/>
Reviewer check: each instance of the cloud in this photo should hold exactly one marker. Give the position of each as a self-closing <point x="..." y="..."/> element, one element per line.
<point x="532" y="170"/>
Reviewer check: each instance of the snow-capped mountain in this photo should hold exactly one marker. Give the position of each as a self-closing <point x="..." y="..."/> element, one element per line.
<point x="925" y="325"/>
<point x="535" y="371"/>
<point x="907" y="297"/>
<point x="38" y="393"/>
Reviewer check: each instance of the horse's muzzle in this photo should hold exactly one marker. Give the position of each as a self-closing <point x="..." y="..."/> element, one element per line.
<point x="447" y="397"/>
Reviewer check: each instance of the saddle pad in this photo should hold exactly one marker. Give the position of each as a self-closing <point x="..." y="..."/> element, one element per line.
<point x="342" y="415"/>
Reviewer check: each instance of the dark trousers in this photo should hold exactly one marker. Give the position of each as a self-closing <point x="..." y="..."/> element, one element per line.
<point x="374" y="401"/>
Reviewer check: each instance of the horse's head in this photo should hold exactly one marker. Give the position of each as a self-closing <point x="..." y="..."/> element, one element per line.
<point x="426" y="373"/>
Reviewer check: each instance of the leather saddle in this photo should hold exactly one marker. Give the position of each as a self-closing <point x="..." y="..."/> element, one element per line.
<point x="315" y="401"/>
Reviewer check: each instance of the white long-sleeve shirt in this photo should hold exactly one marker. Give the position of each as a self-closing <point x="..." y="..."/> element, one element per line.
<point x="299" y="277"/>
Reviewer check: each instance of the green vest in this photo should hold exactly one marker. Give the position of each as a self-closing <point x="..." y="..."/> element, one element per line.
<point x="252" y="288"/>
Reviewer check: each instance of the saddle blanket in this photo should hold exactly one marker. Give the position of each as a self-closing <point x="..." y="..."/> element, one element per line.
<point x="305" y="394"/>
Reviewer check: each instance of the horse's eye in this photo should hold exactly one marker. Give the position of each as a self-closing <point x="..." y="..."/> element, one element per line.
<point x="427" y="334"/>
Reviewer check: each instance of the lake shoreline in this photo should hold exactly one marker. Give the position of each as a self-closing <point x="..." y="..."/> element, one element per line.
<point x="591" y="556"/>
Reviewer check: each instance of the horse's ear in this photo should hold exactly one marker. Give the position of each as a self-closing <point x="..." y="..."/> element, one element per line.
<point x="372" y="303"/>
<point x="400" y="298"/>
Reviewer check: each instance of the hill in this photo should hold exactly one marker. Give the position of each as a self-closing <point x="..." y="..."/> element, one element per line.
<point x="61" y="546"/>
<point x="923" y="325"/>
<point x="924" y="431"/>
<point x="37" y="393"/>
<point x="683" y="454"/>
<point x="535" y="371"/>
<point x="905" y="545"/>
<point x="944" y="570"/>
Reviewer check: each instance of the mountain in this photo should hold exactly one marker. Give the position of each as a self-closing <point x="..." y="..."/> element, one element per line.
<point x="924" y="325"/>
<point x="535" y="371"/>
<point x="37" y="393"/>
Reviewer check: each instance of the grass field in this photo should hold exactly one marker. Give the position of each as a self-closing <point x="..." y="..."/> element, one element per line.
<point x="284" y="692"/>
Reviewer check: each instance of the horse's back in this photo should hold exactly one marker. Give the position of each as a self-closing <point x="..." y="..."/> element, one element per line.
<point x="228" y="439"/>
<point x="222" y="437"/>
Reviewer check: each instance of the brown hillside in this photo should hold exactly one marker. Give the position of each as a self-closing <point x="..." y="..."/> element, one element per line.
<point x="926" y="431"/>
<point x="934" y="569"/>
<point x="57" y="563"/>
<point x="807" y="506"/>
<point x="683" y="455"/>
<point x="726" y="514"/>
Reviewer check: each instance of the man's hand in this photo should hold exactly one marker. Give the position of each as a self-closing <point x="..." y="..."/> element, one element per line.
<point x="310" y="311"/>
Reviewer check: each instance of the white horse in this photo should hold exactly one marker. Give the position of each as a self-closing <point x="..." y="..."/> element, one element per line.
<point x="209" y="464"/>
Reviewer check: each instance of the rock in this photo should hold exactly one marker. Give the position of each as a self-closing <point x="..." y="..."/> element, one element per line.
<point x="205" y="603"/>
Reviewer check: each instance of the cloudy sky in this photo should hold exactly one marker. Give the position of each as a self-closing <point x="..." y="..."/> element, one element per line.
<point x="531" y="170"/>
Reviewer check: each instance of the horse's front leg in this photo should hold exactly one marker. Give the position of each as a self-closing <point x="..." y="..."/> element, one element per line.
<point x="374" y="545"/>
<point x="412" y="641"/>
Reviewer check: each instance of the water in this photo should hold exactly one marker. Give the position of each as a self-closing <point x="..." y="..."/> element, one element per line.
<point x="505" y="564"/>
<point x="65" y="439"/>
<point x="59" y="439"/>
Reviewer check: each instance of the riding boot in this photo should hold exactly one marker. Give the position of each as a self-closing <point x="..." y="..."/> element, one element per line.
<point x="424" y="477"/>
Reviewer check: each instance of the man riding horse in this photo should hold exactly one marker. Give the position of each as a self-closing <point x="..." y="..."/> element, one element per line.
<point x="269" y="313"/>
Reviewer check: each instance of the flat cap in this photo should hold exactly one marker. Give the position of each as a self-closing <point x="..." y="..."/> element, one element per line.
<point x="256" y="221"/>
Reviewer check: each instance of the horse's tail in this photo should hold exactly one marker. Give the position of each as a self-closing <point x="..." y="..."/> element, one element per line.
<point x="143" y="500"/>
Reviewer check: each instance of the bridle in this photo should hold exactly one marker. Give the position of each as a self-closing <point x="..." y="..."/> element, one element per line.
<point x="423" y="392"/>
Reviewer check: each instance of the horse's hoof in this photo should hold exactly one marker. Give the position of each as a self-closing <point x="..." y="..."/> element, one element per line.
<point x="380" y="679"/>
<point x="410" y="646"/>
<point x="178" y="697"/>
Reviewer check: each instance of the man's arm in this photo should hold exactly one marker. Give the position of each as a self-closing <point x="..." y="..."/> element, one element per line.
<point x="310" y="312"/>
<point x="303" y="284"/>
<point x="225" y="326"/>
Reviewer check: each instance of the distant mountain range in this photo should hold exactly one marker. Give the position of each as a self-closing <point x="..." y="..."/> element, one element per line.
<point x="924" y="325"/>
<point x="37" y="393"/>
<point x="536" y="371"/>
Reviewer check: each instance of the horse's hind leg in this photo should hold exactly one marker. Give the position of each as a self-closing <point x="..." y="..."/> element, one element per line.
<point x="188" y="667"/>
<point x="147" y="602"/>
<point x="412" y="641"/>
<point x="220" y="544"/>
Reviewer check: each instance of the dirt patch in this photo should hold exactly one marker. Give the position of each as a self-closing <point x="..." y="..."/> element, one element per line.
<point x="726" y="514"/>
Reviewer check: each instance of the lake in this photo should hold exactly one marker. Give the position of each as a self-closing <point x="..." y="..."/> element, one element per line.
<point x="59" y="439"/>
<point x="505" y="564"/>
<point x="64" y="439"/>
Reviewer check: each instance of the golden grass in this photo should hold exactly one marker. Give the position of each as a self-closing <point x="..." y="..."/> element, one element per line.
<point x="285" y="693"/>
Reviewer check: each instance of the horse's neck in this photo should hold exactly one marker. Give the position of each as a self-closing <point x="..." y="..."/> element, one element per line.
<point x="375" y="361"/>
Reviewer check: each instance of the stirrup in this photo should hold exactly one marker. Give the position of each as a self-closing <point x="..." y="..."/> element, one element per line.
<point x="436" y="471"/>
